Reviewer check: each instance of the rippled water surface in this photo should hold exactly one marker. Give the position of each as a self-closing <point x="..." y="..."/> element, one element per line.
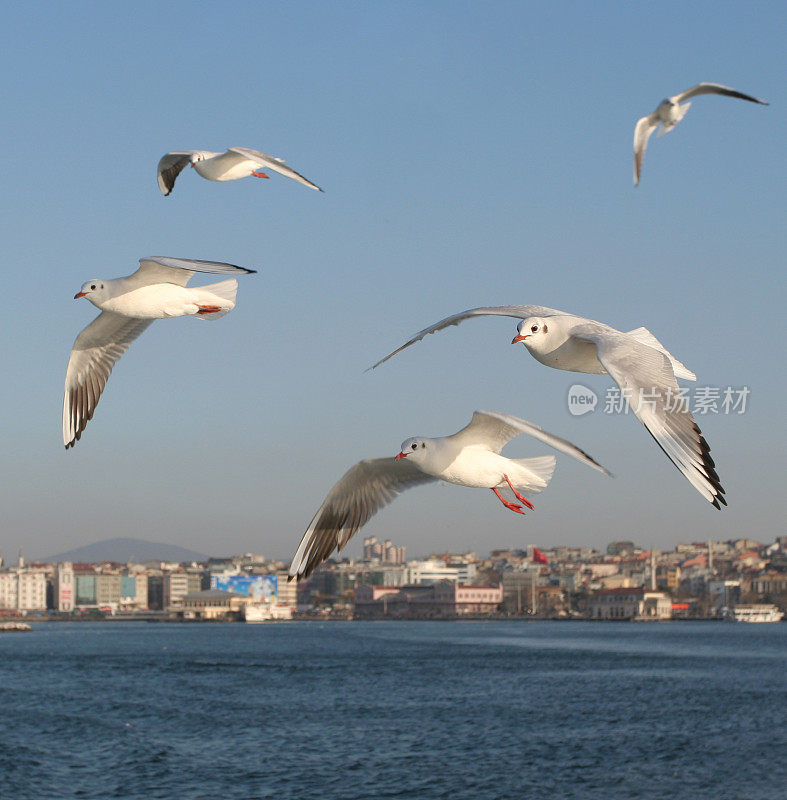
<point x="421" y="710"/>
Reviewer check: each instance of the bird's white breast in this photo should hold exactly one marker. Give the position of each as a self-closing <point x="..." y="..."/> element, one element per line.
<point x="475" y="466"/>
<point x="157" y="301"/>
<point x="574" y="355"/>
<point x="225" y="167"/>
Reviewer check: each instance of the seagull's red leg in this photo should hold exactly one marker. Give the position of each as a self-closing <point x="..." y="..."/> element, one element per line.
<point x="208" y="309"/>
<point x="512" y="506"/>
<point x="518" y="496"/>
<point x="260" y="175"/>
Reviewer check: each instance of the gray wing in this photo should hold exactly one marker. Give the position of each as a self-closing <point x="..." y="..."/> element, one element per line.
<point x="363" y="490"/>
<point x="715" y="88"/>
<point x="94" y="354"/>
<point x="494" y="430"/>
<point x="170" y="166"/>
<point x="276" y="164"/>
<point x="642" y="133"/>
<point x="519" y="312"/>
<point x="646" y="378"/>
<point x="164" y="269"/>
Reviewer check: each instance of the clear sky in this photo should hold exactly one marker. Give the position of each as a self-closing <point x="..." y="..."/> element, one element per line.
<point x="471" y="154"/>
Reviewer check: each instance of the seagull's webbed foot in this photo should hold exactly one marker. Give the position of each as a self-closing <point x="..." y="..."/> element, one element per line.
<point x="208" y="309"/>
<point x="260" y="175"/>
<point x="513" y="506"/>
<point x="518" y="496"/>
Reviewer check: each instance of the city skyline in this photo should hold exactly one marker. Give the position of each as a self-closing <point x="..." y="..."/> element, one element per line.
<point x="470" y="155"/>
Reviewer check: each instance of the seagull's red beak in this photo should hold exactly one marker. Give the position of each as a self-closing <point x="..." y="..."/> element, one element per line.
<point x="401" y="455"/>
<point x="519" y="338"/>
<point x="79" y="294"/>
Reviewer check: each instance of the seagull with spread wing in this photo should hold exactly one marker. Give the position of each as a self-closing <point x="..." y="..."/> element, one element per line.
<point x="470" y="457"/>
<point x="128" y="306"/>
<point x="671" y="111"/>
<point x="641" y="366"/>
<point x="236" y="162"/>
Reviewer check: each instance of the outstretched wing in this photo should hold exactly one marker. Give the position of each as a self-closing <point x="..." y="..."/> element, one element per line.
<point x="646" y="378"/>
<point x="170" y="166"/>
<point x="519" y="312"/>
<point x="94" y="354"/>
<point x="715" y="88"/>
<point x="164" y="269"/>
<point x="494" y="430"/>
<point x="276" y="164"/>
<point x="642" y="133"/>
<point x="363" y="490"/>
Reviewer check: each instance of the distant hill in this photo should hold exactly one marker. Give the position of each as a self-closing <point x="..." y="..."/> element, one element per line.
<point x="126" y="549"/>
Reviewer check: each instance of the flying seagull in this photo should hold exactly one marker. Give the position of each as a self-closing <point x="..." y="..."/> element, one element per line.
<point x="641" y="366"/>
<point x="128" y="305"/>
<point x="470" y="457"/>
<point x="237" y="162"/>
<point x="671" y="111"/>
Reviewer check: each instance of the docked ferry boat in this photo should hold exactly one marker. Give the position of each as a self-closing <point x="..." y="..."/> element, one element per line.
<point x="755" y="612"/>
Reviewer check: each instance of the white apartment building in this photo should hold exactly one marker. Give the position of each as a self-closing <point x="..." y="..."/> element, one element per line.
<point x="435" y="570"/>
<point x="22" y="589"/>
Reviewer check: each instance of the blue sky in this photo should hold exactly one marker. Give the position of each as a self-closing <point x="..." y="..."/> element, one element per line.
<point x="471" y="154"/>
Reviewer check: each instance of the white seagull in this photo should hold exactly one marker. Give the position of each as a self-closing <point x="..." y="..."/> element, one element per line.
<point x="128" y="305"/>
<point x="671" y="111"/>
<point x="236" y="162"/>
<point x="641" y="366"/>
<point x="470" y="457"/>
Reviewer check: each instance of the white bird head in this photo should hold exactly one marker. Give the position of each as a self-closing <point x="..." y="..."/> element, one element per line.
<point x="416" y="449"/>
<point x="533" y="332"/>
<point x="94" y="291"/>
<point x="201" y="155"/>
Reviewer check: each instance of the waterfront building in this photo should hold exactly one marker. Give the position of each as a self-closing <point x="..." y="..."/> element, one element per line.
<point x="656" y="605"/>
<point x="9" y="591"/>
<point x="178" y="584"/>
<point x="63" y="595"/>
<point x="108" y="590"/>
<point x="426" y="600"/>
<point x="134" y="590"/>
<point x="23" y="589"/>
<point x="456" y="599"/>
<point x="85" y="587"/>
<point x="211" y="604"/>
<point x="629" y="603"/>
<point x="155" y="590"/>
<point x="621" y="603"/>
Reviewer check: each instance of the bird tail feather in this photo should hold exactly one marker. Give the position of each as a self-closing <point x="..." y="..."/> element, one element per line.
<point x="535" y="473"/>
<point x="221" y="294"/>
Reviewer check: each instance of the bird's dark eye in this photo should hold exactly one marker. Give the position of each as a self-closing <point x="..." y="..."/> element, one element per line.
<point x="534" y="328"/>
<point x="415" y="446"/>
<point x="93" y="286"/>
